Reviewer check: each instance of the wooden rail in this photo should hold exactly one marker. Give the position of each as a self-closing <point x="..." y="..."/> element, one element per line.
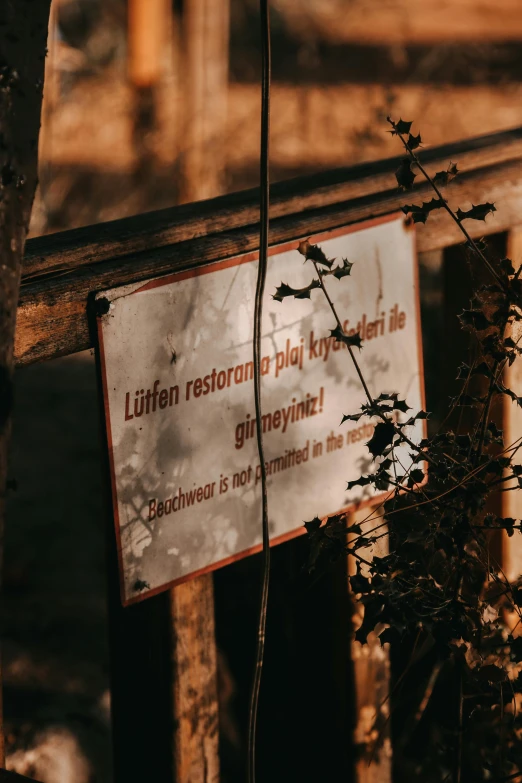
<point x="62" y="270"/>
<point x="388" y="22"/>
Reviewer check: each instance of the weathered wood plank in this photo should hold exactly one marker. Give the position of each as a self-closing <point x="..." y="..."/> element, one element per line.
<point x="205" y="55"/>
<point x="147" y="26"/>
<point x="94" y="244"/>
<point x="405" y="21"/>
<point x="196" y="735"/>
<point x="52" y="313"/>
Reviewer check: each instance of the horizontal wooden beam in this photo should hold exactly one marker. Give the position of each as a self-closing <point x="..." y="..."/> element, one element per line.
<point x="399" y="21"/>
<point x="62" y="270"/>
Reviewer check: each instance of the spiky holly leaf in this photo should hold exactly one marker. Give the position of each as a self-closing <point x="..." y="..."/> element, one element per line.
<point x="474" y="319"/>
<point x="362" y="481"/>
<point x="417" y="213"/>
<point x="373" y="607"/>
<point x="445" y="177"/>
<point x="362" y="542"/>
<point x="358" y="582"/>
<point x="343" y="270"/>
<point x="336" y="525"/>
<point x="418" y="416"/>
<point x="352" y="417"/>
<point x="507" y="266"/>
<point x="400" y="127"/>
<point x="482" y="369"/>
<point x="313" y="525"/>
<point x="401" y="405"/>
<point x="382" y="479"/>
<point x="354" y="340"/>
<point x="510" y="343"/>
<point x="477" y="211"/>
<point x="463" y="371"/>
<point x="390" y="635"/>
<point x="492" y="673"/>
<point x="414" y="141"/>
<point x="416" y="477"/>
<point x="382" y="437"/>
<point x="285" y="290"/>
<point x="495" y="432"/>
<point x="420" y="213"/>
<point x="380" y="407"/>
<point x="314" y="253"/>
<point x="497" y="466"/>
<point x="404" y="175"/>
<point x="508" y="524"/>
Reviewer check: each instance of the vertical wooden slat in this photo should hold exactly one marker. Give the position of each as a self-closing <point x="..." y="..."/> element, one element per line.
<point x="205" y="37"/>
<point x="146" y="42"/>
<point x="196" y="734"/>
<point x="372" y="683"/>
<point x="51" y="95"/>
<point x="512" y="426"/>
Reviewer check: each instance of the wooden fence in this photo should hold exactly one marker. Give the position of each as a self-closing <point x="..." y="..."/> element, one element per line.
<point x="61" y="274"/>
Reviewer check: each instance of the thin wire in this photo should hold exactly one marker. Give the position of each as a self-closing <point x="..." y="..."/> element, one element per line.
<point x="258" y="320"/>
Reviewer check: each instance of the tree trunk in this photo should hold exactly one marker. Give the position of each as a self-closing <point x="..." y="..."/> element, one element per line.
<point x="23" y="36"/>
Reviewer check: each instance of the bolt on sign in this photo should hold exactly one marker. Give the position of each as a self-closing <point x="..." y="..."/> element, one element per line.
<point x="177" y="370"/>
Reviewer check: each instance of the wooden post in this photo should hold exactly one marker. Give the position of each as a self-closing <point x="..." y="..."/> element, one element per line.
<point x="51" y="95"/>
<point x="196" y="730"/>
<point x="23" y="44"/>
<point x="148" y="46"/>
<point x="205" y="39"/>
<point x="146" y="40"/>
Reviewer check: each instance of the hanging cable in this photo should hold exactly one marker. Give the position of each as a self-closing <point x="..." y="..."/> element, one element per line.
<point x="258" y="321"/>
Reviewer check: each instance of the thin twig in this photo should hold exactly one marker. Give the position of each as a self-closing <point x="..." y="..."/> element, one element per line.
<point x="449" y="210"/>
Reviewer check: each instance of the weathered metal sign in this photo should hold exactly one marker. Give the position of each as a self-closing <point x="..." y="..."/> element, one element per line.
<point x="176" y="357"/>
